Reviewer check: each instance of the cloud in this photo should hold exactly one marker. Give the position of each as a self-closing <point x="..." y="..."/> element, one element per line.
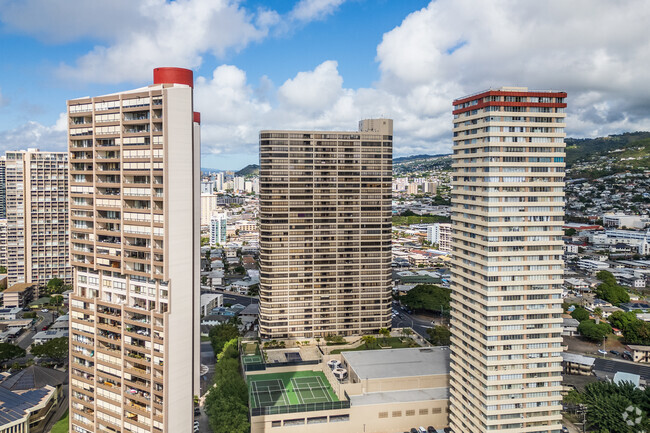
<point x="34" y="134"/>
<point x="309" y="10"/>
<point x="175" y="33"/>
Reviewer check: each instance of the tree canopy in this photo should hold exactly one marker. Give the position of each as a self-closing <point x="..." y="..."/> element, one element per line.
<point x="226" y="404"/>
<point x="635" y="331"/>
<point x="427" y="297"/>
<point x="609" y="290"/>
<point x="594" y="331"/>
<point x="607" y="404"/>
<point x="439" y="335"/>
<point x="221" y="334"/>
<point x="56" y="349"/>
<point x="10" y="351"/>
<point x="580" y="314"/>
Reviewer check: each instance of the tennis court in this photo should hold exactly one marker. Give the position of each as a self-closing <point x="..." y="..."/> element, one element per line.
<point x="287" y="389"/>
<point x="252" y="359"/>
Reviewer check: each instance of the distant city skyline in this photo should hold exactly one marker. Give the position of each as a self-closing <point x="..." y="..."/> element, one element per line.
<point x="292" y="65"/>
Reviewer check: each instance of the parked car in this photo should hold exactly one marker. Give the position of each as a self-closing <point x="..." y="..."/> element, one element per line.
<point x="431" y="429"/>
<point x="602" y="352"/>
<point x="615" y="352"/>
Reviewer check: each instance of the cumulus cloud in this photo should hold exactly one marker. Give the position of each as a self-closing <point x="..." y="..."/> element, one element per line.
<point x="308" y="10"/>
<point x="456" y="47"/>
<point x="34" y="134"/>
<point x="171" y="34"/>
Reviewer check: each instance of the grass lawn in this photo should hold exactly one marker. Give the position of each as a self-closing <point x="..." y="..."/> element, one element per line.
<point x="382" y="343"/>
<point x="62" y="425"/>
<point x="205" y="338"/>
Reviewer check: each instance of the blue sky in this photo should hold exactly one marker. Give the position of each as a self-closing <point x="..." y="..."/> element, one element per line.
<point x="322" y="64"/>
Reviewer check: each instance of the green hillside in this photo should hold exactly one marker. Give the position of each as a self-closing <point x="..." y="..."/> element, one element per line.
<point x="249" y="170"/>
<point x="596" y="157"/>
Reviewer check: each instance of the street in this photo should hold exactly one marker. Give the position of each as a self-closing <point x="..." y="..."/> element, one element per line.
<point x="43" y="319"/>
<point x="407" y="320"/>
<point x="234" y="298"/>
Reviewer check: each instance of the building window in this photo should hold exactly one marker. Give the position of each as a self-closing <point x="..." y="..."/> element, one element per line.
<point x="424" y="412"/>
<point x="317" y="420"/>
<point x="297" y="421"/>
<point x="383" y="414"/>
<point x="436" y="410"/>
<point x="339" y="418"/>
<point x="397" y="413"/>
<point x="410" y="413"/>
<point x="276" y="423"/>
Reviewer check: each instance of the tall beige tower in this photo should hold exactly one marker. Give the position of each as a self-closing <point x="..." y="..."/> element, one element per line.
<point x="325" y="231"/>
<point x="507" y="216"/>
<point x="37" y="216"/>
<point x="134" y="194"/>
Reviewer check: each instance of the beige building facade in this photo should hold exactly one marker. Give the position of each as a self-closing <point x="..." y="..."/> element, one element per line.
<point x="37" y="229"/>
<point x="135" y="211"/>
<point x="325" y="231"/>
<point x="507" y="216"/>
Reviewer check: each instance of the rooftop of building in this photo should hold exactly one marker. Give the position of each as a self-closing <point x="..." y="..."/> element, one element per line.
<point x="15" y="406"/>
<point x="19" y="288"/>
<point x="578" y="359"/>
<point x="34" y="377"/>
<point x="419" y="361"/>
<point x="404" y="396"/>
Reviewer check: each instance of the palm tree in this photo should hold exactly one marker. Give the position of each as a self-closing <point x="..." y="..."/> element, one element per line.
<point x="407" y="332"/>
<point x="369" y="341"/>
<point x="385" y="333"/>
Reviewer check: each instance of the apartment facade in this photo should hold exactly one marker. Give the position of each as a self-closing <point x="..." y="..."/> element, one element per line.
<point x="440" y="233"/>
<point x="36" y="187"/>
<point x="3" y="192"/>
<point x="218" y="228"/>
<point x="507" y="216"/>
<point x="325" y="231"/>
<point x="134" y="310"/>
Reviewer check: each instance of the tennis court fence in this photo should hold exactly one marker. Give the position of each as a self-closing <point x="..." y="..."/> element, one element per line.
<point x="264" y="366"/>
<point x="306" y="407"/>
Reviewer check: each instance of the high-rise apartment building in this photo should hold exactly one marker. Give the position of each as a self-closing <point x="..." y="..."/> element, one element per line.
<point x="3" y="191"/>
<point x="37" y="216"/>
<point x="507" y="216"/>
<point x="3" y="243"/>
<point x="325" y="231"/>
<point x="218" y="228"/>
<point x="134" y="313"/>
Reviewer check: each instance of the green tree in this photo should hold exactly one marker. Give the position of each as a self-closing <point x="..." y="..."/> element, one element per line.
<point x="56" y="349"/>
<point x="580" y="314"/>
<point x="55" y="285"/>
<point x="56" y="300"/>
<point x="598" y="312"/>
<point x="621" y="319"/>
<point x="10" y="351"/>
<point x="385" y="333"/>
<point x="593" y="331"/>
<point x="570" y="232"/>
<point x="3" y="270"/>
<point x="221" y="334"/>
<point x="427" y="297"/>
<point x="254" y="290"/>
<point x="439" y="335"/>
<point x="609" y="290"/>
<point x="637" y="332"/>
<point x="226" y="404"/>
<point x="369" y="341"/>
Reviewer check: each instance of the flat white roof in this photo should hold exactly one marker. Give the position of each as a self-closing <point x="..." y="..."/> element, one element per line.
<point x="389" y="363"/>
<point x="405" y="396"/>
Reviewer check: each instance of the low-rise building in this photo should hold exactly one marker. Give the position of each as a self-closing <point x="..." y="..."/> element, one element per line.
<point x="394" y="390"/>
<point x="9" y="313"/>
<point x="573" y="363"/>
<point x="50" y="334"/>
<point x="19" y="295"/>
<point x="210" y="301"/>
<point x="639" y="353"/>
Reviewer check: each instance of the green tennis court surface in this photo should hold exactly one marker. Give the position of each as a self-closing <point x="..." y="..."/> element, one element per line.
<point x="287" y="389"/>
<point x="252" y="359"/>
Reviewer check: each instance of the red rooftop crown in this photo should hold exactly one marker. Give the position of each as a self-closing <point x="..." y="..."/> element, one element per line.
<point x="173" y="75"/>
